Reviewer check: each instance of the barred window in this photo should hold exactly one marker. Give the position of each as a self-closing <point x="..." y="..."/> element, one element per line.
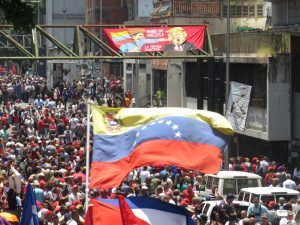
<point x="260" y="10"/>
<point x="244" y="11"/>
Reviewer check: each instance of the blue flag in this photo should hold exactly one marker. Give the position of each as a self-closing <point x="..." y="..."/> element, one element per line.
<point x="30" y="212"/>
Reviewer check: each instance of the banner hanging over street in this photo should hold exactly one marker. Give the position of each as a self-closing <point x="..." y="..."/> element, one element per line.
<point x="237" y="105"/>
<point x="156" y="39"/>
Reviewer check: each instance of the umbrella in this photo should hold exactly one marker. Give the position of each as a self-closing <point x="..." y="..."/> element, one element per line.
<point x="9" y="217"/>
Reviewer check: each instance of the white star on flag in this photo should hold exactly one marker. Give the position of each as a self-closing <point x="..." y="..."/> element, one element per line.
<point x="169" y="122"/>
<point x="144" y="127"/>
<point x="161" y="121"/>
<point x="178" y="134"/>
<point x="153" y="123"/>
<point x="137" y="134"/>
<point x="175" y="127"/>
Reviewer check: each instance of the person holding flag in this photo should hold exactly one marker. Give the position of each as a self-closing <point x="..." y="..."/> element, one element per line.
<point x="30" y="211"/>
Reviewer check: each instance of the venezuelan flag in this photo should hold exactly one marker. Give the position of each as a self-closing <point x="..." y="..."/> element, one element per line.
<point x="128" y="138"/>
<point x="120" y="35"/>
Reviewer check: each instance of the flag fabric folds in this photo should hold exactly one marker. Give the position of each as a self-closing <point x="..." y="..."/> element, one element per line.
<point x="128" y="138"/>
<point x="128" y="217"/>
<point x="29" y="212"/>
<point x="138" y="211"/>
<point x="89" y="216"/>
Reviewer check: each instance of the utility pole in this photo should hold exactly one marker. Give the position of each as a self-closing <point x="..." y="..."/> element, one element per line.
<point x="227" y="75"/>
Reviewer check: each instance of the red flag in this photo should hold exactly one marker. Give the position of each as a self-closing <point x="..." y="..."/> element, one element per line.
<point x="128" y="217"/>
<point x="13" y="70"/>
<point x="89" y="216"/>
<point x="1" y="69"/>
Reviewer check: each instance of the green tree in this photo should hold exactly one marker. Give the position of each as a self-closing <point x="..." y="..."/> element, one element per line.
<point x="18" y="13"/>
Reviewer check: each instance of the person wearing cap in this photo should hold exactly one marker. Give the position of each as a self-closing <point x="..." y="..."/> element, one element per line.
<point x="226" y="207"/>
<point x="288" y="220"/>
<point x="265" y="219"/>
<point x="257" y="209"/>
<point x="76" y="194"/>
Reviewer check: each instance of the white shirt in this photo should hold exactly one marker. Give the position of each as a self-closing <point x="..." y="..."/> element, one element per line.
<point x="144" y="175"/>
<point x="285" y="221"/>
<point x="289" y="184"/>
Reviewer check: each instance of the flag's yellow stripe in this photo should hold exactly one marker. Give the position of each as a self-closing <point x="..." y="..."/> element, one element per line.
<point x="119" y="34"/>
<point x="132" y="117"/>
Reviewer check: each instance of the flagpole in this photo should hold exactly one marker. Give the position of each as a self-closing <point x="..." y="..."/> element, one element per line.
<point x="88" y="132"/>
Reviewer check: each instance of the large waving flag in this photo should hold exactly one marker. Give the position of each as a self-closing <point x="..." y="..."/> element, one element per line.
<point x="138" y="211"/>
<point x="128" y="138"/>
<point x="29" y="213"/>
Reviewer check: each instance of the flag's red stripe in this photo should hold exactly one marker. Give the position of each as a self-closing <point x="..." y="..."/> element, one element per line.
<point x="104" y="213"/>
<point x="202" y="157"/>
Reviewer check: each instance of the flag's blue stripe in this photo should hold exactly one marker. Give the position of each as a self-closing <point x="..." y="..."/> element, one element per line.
<point x="110" y="148"/>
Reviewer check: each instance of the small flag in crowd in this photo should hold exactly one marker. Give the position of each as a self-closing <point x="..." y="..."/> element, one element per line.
<point x="128" y="138"/>
<point x="13" y="70"/>
<point x="2" y="148"/>
<point x="30" y="212"/>
<point x="138" y="211"/>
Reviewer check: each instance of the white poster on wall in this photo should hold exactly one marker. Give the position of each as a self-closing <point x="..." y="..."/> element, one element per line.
<point x="237" y="106"/>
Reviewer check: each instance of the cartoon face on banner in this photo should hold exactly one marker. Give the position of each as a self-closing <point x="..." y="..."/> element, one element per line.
<point x="151" y="39"/>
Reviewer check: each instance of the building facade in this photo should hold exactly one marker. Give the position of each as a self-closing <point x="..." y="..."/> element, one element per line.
<point x="286" y="19"/>
<point x="62" y="12"/>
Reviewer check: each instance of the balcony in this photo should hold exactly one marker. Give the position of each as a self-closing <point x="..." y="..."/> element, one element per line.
<point x="183" y="8"/>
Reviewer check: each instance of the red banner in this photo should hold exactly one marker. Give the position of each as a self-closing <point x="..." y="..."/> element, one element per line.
<point x="156" y="39"/>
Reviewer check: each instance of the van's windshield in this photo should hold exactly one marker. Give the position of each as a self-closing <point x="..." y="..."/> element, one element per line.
<point x="235" y="185"/>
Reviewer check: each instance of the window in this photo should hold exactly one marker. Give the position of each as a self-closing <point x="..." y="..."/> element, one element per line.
<point x="243" y="10"/>
<point x="238" y="11"/>
<point x="260" y="10"/>
<point x="209" y="182"/>
<point x="266" y="199"/>
<point x="215" y="182"/>
<point x="243" y="183"/>
<point x="229" y="186"/>
<point x="206" y="208"/>
<point x="287" y="197"/>
<point x="253" y="196"/>
<point x="241" y="196"/>
<point x="251" y="11"/>
<point x="247" y="197"/>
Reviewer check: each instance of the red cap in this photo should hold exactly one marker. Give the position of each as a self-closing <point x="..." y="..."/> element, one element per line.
<point x="57" y="209"/>
<point x="48" y="212"/>
<point x="76" y="202"/>
<point x="72" y="207"/>
<point x="74" y="187"/>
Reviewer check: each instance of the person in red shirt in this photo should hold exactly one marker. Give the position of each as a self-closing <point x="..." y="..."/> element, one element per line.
<point x="16" y="119"/>
<point x="4" y="119"/>
<point x="189" y="192"/>
<point x="52" y="127"/>
<point x="41" y="127"/>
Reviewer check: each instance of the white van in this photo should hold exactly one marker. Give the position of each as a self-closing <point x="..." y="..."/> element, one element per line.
<point x="207" y="207"/>
<point x="230" y="182"/>
<point x="267" y="194"/>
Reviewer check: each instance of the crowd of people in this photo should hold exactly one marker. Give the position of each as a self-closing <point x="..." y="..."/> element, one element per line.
<point x="43" y="135"/>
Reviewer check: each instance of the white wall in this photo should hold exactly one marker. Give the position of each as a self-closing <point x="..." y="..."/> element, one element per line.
<point x="75" y="14"/>
<point x="174" y="83"/>
<point x="278" y="103"/>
